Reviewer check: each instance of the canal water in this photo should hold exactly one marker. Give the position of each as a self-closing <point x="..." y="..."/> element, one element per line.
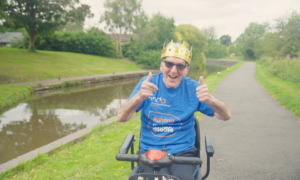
<point x="48" y="116"/>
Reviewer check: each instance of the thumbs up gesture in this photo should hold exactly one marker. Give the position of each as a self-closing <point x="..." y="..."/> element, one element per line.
<point x="147" y="88"/>
<point x="202" y="91"/>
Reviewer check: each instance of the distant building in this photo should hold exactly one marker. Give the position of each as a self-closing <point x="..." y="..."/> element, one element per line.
<point x="8" y="37"/>
<point x="232" y="55"/>
<point x="124" y="38"/>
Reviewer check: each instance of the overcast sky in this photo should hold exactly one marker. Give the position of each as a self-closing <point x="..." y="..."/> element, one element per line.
<point x="229" y="17"/>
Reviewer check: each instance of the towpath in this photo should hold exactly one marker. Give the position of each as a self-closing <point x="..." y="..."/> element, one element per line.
<point x="260" y="141"/>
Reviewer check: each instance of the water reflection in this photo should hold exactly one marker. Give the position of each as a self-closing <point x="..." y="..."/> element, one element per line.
<point x="42" y="120"/>
<point x="209" y="70"/>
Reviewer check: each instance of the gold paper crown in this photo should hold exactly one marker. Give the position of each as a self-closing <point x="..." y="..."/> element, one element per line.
<point x="180" y="52"/>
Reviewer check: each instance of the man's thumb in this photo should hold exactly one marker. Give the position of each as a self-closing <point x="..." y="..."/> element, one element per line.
<point x="149" y="77"/>
<point x="201" y="80"/>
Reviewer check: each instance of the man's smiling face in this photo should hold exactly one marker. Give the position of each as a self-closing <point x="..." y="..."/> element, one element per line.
<point x="172" y="76"/>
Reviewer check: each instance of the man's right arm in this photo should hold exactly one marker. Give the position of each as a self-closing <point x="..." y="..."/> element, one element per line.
<point x="127" y="110"/>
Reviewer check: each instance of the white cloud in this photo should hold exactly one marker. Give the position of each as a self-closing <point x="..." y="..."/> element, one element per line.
<point x="229" y="17"/>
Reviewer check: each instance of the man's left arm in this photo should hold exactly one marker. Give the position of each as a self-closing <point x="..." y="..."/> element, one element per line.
<point x="222" y="112"/>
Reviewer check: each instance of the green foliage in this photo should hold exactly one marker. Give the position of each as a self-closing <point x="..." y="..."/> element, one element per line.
<point x="77" y="17"/>
<point x="94" y="41"/>
<point x="159" y="30"/>
<point x="286" y="93"/>
<point x="216" y="50"/>
<point x="11" y="94"/>
<point x="232" y="49"/>
<point x="249" y="43"/>
<point x="283" y="40"/>
<point x="210" y="33"/>
<point x="122" y="15"/>
<point x="149" y="59"/>
<point x="288" y="29"/>
<point x="156" y="32"/>
<point x="271" y="44"/>
<point x="225" y="40"/>
<point x="196" y="39"/>
<point x="286" y="69"/>
<point x="42" y="16"/>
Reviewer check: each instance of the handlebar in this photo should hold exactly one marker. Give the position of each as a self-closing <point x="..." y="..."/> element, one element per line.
<point x="166" y="161"/>
<point x="187" y="160"/>
<point x="127" y="157"/>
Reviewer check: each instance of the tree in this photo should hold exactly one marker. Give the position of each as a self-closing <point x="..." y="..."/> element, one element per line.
<point x="147" y="48"/>
<point x="225" y="40"/>
<point x="288" y="29"/>
<point x="216" y="50"/>
<point x="39" y="16"/>
<point x="271" y="44"/>
<point x="249" y="43"/>
<point x="160" y="29"/>
<point x="196" y="39"/>
<point x="77" y="17"/>
<point x="210" y="33"/>
<point x="121" y="16"/>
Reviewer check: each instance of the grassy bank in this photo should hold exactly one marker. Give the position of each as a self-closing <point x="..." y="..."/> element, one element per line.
<point x="94" y="156"/>
<point x="11" y="94"/>
<point x="20" y="65"/>
<point x="285" y="92"/>
<point x="285" y="69"/>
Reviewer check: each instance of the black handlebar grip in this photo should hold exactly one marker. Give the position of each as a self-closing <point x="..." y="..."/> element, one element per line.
<point x="127" y="157"/>
<point x="187" y="160"/>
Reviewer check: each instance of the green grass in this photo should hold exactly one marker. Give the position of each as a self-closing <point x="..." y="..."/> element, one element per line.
<point x="92" y="157"/>
<point x="11" y="94"/>
<point x="285" y="69"/>
<point x="285" y="92"/>
<point x="20" y="65"/>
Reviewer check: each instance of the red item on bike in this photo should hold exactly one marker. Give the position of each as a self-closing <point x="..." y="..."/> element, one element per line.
<point x="155" y="155"/>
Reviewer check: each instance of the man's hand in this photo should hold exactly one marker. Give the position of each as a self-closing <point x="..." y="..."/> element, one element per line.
<point x="147" y="88"/>
<point x="202" y="91"/>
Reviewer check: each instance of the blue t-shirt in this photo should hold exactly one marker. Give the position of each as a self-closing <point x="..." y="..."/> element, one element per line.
<point x="167" y="118"/>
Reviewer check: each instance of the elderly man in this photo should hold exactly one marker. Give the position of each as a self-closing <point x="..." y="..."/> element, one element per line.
<point x="168" y="101"/>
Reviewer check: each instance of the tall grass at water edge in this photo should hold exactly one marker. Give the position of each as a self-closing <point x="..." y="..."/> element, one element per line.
<point x="286" y="69"/>
<point x="11" y="94"/>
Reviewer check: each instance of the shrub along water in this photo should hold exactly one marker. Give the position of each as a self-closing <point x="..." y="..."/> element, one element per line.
<point x="286" y="69"/>
<point x="10" y="94"/>
<point x="93" y="41"/>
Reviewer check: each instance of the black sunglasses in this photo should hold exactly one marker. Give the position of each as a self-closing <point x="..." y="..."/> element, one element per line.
<point x="180" y="67"/>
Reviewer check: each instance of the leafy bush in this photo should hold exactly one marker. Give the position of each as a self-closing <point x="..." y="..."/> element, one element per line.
<point x="146" y="49"/>
<point x="216" y="50"/>
<point x="92" y="42"/>
<point x="150" y="59"/>
<point x="285" y="69"/>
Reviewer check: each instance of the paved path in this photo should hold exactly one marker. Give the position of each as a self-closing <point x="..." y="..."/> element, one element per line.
<point x="262" y="139"/>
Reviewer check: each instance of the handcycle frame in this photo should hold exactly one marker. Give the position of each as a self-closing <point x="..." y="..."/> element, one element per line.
<point x="129" y="144"/>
